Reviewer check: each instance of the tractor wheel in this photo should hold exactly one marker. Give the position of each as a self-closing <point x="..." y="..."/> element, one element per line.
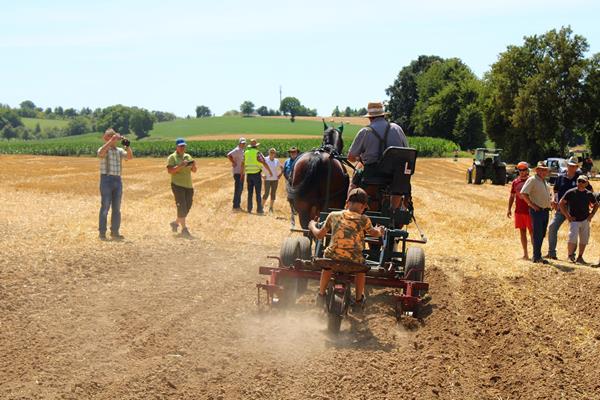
<point x="479" y="175"/>
<point x="304" y="253"/>
<point x="500" y="176"/>
<point x="289" y="251"/>
<point x="334" y="316"/>
<point x="469" y="176"/>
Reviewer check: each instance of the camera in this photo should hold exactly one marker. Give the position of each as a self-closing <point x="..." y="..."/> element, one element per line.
<point x="125" y="142"/>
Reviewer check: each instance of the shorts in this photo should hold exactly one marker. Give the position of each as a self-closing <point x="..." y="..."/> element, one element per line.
<point x="523" y="221"/>
<point x="581" y="229"/>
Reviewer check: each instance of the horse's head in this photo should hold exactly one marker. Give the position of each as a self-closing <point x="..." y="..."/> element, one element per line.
<point x="332" y="137"/>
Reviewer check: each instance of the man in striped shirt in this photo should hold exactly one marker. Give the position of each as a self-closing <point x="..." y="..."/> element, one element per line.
<point x="111" y="186"/>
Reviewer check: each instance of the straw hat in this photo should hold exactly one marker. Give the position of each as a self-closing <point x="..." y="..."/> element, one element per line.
<point x="254" y="143"/>
<point x="375" y="109"/>
<point x="541" y="165"/>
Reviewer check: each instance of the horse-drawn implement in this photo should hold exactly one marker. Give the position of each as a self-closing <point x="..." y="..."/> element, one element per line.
<point x="389" y="261"/>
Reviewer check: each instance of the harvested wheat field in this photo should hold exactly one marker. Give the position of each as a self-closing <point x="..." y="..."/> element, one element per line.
<point x="159" y="317"/>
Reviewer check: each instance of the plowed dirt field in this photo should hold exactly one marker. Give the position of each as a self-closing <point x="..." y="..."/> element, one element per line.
<point x="160" y="317"/>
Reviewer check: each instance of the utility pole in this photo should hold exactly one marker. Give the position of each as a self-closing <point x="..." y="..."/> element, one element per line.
<point x="280" y="95"/>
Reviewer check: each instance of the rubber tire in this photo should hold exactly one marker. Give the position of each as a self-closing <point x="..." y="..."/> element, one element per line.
<point x="334" y="316"/>
<point x="304" y="253"/>
<point x="415" y="258"/>
<point x="289" y="251"/>
<point x="478" y="174"/>
<point x="500" y="176"/>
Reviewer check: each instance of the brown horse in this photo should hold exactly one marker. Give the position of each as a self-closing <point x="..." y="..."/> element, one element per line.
<point x="319" y="180"/>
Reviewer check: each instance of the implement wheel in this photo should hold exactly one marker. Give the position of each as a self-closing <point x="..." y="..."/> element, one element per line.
<point x="289" y="251"/>
<point x="304" y="253"/>
<point x="335" y="313"/>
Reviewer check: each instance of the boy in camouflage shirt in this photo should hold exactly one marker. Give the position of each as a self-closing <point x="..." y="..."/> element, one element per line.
<point x="348" y="230"/>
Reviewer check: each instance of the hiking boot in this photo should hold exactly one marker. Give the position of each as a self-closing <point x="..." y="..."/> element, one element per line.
<point x="102" y="236"/>
<point x="185" y="233"/>
<point x="572" y="258"/>
<point x="174" y="226"/>
<point x="116" y="236"/>
<point x="580" y="260"/>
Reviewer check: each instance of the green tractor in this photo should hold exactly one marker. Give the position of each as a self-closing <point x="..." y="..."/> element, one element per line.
<point x="487" y="165"/>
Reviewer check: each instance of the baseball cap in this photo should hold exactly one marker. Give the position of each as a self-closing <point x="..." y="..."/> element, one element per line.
<point x="180" y="142"/>
<point x="292" y="149"/>
<point x="522" y="165"/>
<point x="242" y="140"/>
<point x="582" y="178"/>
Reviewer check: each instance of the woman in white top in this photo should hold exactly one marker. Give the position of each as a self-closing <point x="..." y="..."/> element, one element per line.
<point x="272" y="178"/>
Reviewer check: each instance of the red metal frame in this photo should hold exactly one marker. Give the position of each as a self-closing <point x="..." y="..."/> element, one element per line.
<point x="407" y="299"/>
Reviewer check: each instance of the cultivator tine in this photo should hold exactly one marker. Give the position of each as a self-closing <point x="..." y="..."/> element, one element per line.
<point x="423" y="237"/>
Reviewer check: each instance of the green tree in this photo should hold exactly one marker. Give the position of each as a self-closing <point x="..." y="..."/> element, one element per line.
<point x="336" y="112"/>
<point x="534" y="95"/>
<point x="141" y="122"/>
<point x="70" y="113"/>
<point x="203" y="111"/>
<point x="591" y="110"/>
<point x="9" y="117"/>
<point x="403" y="92"/>
<point x="447" y="105"/>
<point x="59" y="111"/>
<point x="247" y="108"/>
<point x="116" y="117"/>
<point x="262" y="111"/>
<point x="77" y="126"/>
<point x="27" y="109"/>
<point x="290" y="106"/>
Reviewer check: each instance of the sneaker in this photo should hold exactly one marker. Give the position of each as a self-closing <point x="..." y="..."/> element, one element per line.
<point x="551" y="256"/>
<point x="572" y="258"/>
<point x="102" y="236"/>
<point x="117" y="236"/>
<point x="580" y="260"/>
<point x="540" y="261"/>
<point x="174" y="226"/>
<point x="185" y="233"/>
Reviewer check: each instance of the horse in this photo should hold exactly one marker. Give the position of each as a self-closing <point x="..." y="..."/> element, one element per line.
<point x="319" y="180"/>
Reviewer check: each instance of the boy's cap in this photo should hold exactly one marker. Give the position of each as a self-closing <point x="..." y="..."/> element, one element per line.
<point x="180" y="142"/>
<point x="358" y="196"/>
<point x="582" y="178"/>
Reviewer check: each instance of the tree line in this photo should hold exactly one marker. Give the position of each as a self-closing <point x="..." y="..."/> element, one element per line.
<point x="138" y="121"/>
<point x="537" y="99"/>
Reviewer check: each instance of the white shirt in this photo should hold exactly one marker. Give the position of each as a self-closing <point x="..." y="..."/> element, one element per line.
<point x="273" y="165"/>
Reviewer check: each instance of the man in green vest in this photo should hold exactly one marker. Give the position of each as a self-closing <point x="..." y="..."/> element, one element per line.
<point x="252" y="167"/>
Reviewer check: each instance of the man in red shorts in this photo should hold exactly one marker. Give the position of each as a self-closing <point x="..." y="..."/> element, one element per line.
<point x="522" y="218"/>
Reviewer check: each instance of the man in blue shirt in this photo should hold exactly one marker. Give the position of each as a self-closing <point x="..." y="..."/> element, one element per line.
<point x="564" y="182"/>
<point x="288" y="169"/>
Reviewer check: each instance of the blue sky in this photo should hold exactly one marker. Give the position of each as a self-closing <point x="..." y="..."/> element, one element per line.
<point x="174" y="55"/>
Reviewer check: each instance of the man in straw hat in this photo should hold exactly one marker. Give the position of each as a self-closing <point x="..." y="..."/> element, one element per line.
<point x="536" y="194"/>
<point x="371" y="142"/>
<point x="253" y="164"/>
<point x="564" y="182"/>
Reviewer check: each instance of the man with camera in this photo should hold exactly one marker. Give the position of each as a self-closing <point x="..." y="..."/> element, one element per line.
<point x="111" y="186"/>
<point x="180" y="166"/>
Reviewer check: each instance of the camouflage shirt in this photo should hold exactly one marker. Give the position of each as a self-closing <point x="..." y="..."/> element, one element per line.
<point x="348" y="231"/>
